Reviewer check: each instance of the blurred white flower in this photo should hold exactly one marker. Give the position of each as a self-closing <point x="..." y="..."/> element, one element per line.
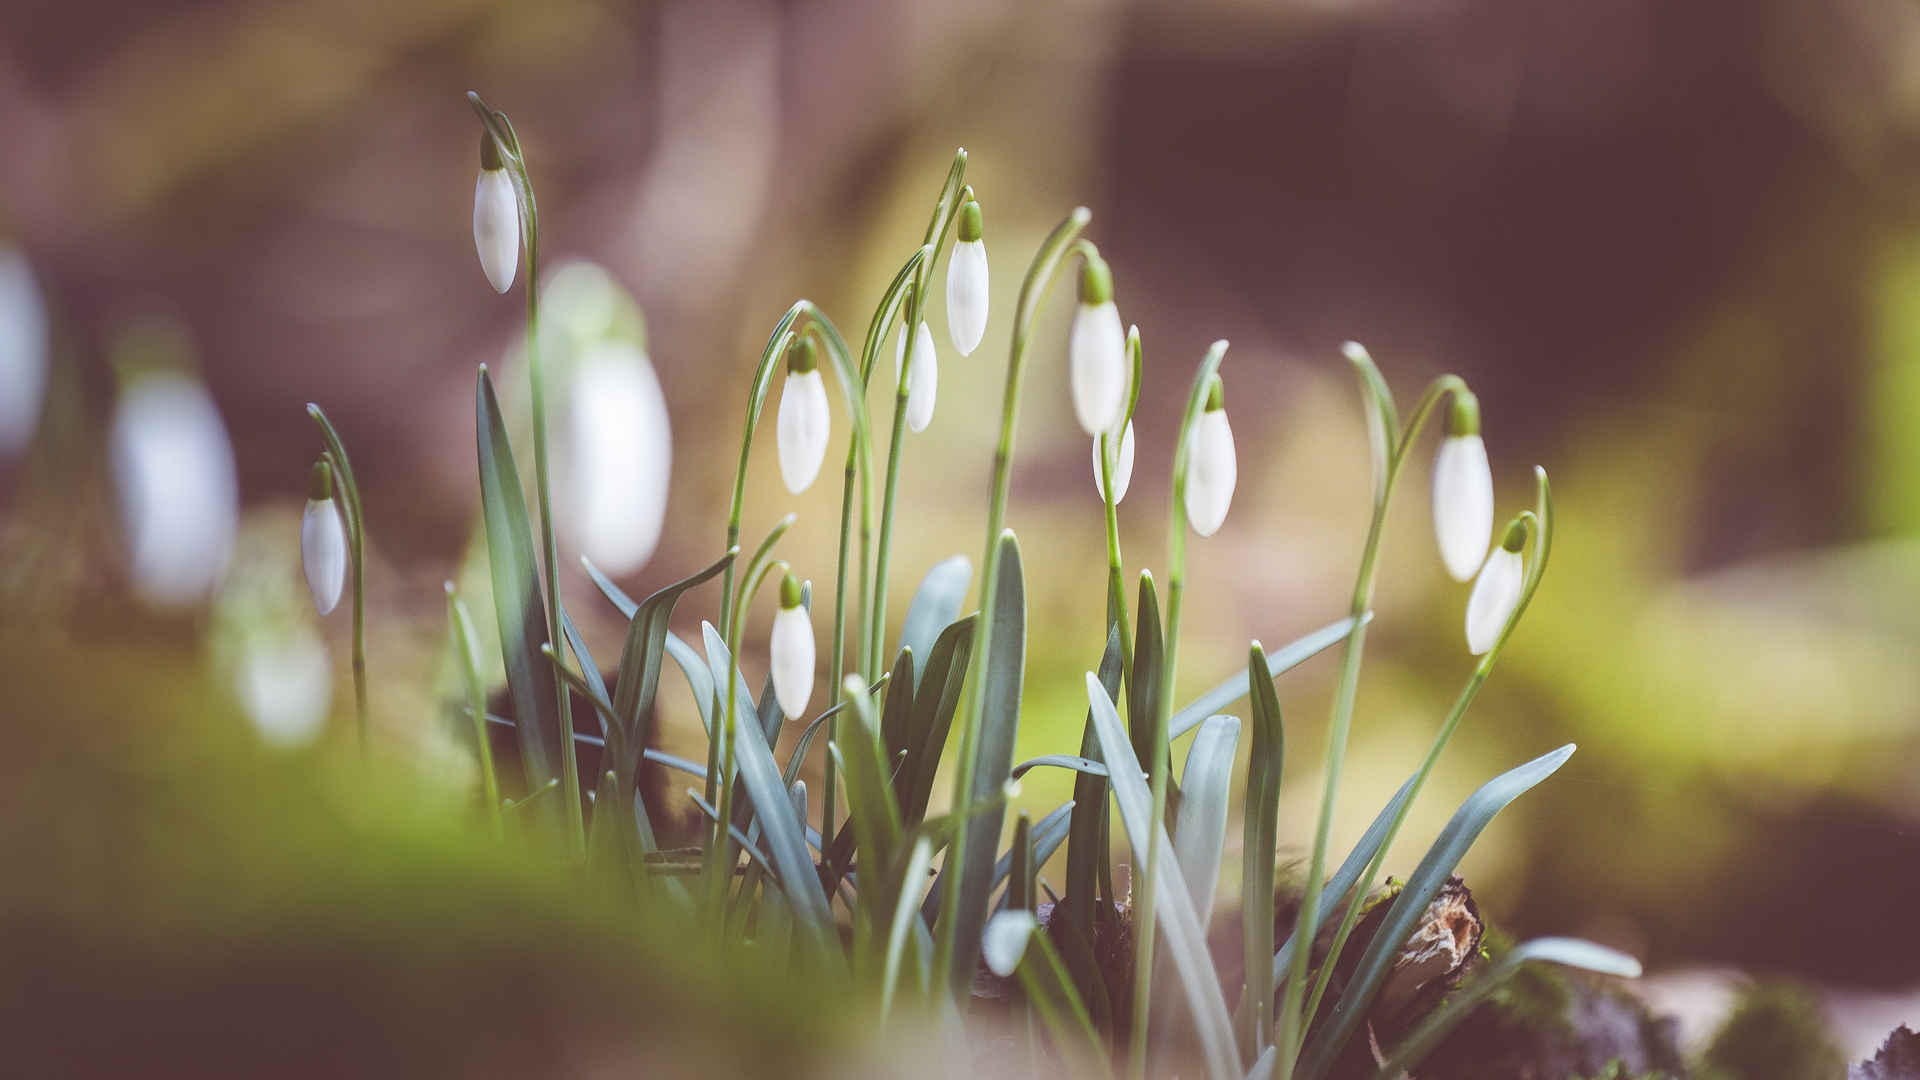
<point x="791" y="650"/>
<point x="1004" y="941"/>
<point x="1463" y="491"/>
<point x="619" y="456"/>
<point x="174" y="476"/>
<point x="806" y="419"/>
<point x="285" y="683"/>
<point x="967" y="283"/>
<point x="1212" y="466"/>
<point x="1495" y="594"/>
<point x="923" y="382"/>
<point x="496" y="219"/>
<point x="323" y="542"/>
<point x="23" y="353"/>
<point x="1097" y="368"/>
<point x="1122" y="465"/>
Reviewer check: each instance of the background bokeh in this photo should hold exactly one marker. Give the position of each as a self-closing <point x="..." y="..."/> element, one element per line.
<point x="1675" y="249"/>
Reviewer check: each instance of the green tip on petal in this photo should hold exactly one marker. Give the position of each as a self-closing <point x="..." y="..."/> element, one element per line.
<point x="801" y="357"/>
<point x="489" y="151"/>
<point x="1216" y="394"/>
<point x="1516" y="536"/>
<point x="789" y="593"/>
<point x="320" y="482"/>
<point x="1463" y="416"/>
<point x="1096" y="281"/>
<point x="970" y="222"/>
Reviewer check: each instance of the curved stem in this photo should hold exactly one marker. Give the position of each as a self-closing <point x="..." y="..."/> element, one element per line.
<point x="721" y="867"/>
<point x="1293" y="1022"/>
<point x="1145" y="913"/>
<point x="1539" y="523"/>
<point x="507" y="142"/>
<point x="336" y="454"/>
<point x="1109" y="460"/>
<point x="1039" y="275"/>
<point x="777" y="343"/>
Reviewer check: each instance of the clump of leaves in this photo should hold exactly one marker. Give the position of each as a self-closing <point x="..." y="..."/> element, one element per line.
<point x="1775" y="1032"/>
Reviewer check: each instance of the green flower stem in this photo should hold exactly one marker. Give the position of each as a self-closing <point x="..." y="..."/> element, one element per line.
<point x="1109" y="459"/>
<point x="507" y="142"/>
<point x="1145" y="914"/>
<point x="336" y="455"/>
<point x="1388" y="460"/>
<point x="466" y="652"/>
<point x="720" y="870"/>
<point x="1039" y="275"/>
<point x="777" y="344"/>
<point x="883" y="317"/>
<point x="1539" y="524"/>
<point x="945" y="209"/>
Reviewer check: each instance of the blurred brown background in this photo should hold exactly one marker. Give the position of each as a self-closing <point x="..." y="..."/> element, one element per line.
<point x="1674" y="247"/>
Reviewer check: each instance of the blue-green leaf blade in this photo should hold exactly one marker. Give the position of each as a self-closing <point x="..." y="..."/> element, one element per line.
<point x="934" y="607"/>
<point x="1200" y="831"/>
<point x="1279" y="662"/>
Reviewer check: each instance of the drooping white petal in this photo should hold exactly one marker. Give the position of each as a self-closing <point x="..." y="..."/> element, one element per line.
<point x="806" y="420"/>
<point x="23" y="353"/>
<point x="1212" y="471"/>
<point x="967" y="295"/>
<point x="620" y="454"/>
<point x="792" y="660"/>
<point x="496" y="227"/>
<point x="1493" y="599"/>
<point x="1462" y="504"/>
<point x="1004" y="941"/>
<point x="1122" y="466"/>
<point x="179" y="499"/>
<point x="923" y="380"/>
<point x="1097" y="366"/>
<point x="285" y="684"/>
<point x="323" y="552"/>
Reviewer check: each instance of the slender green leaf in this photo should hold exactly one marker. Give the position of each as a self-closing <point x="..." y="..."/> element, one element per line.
<point x="1279" y="662"/>
<point x="785" y="840"/>
<point x="1047" y="986"/>
<point x="935" y="700"/>
<point x="1260" y="825"/>
<point x="896" y="720"/>
<point x="1073" y="762"/>
<point x="999" y="715"/>
<point x="805" y="742"/>
<point x="1342" y="883"/>
<point x="1434" y="1027"/>
<point x="1143" y="682"/>
<point x="1048" y="833"/>
<point x="1200" y="832"/>
<point x="870" y="801"/>
<point x="1087" y="851"/>
<point x="1185" y="939"/>
<point x="1424" y="883"/>
<point x="935" y="605"/>
<point x="918" y="863"/>
<point x="1021" y="881"/>
<point x="518" y="602"/>
<point x="754" y="854"/>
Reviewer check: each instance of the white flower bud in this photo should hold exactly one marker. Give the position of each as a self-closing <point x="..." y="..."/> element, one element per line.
<point x="174" y="475"/>
<point x="1495" y="595"/>
<point x="806" y="420"/>
<point x="923" y="382"/>
<point x="967" y="283"/>
<point x="1212" y="468"/>
<point x="1004" y="941"/>
<point x="23" y="353"/>
<point x="1122" y="466"/>
<point x="1097" y="366"/>
<point x="620" y="456"/>
<point x="1463" y="491"/>
<point x="323" y="544"/>
<point x="496" y="226"/>
<point x="791" y="650"/>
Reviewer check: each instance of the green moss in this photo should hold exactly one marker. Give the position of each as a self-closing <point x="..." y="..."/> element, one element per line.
<point x="1776" y="1032"/>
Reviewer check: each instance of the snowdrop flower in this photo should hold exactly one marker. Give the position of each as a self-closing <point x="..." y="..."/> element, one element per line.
<point x="285" y="684"/>
<point x="23" y="353"/>
<point x="923" y="382"/>
<point x="792" y="651"/>
<point x="967" y="283"/>
<point x="1097" y="352"/>
<point x="805" y="418"/>
<point x="1463" y="490"/>
<point x="323" y="541"/>
<point x="496" y="218"/>
<point x="1496" y="593"/>
<point x="620" y="456"/>
<point x="174" y="475"/>
<point x="1212" y="467"/>
<point x="1122" y="465"/>
<point x="1004" y="941"/>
